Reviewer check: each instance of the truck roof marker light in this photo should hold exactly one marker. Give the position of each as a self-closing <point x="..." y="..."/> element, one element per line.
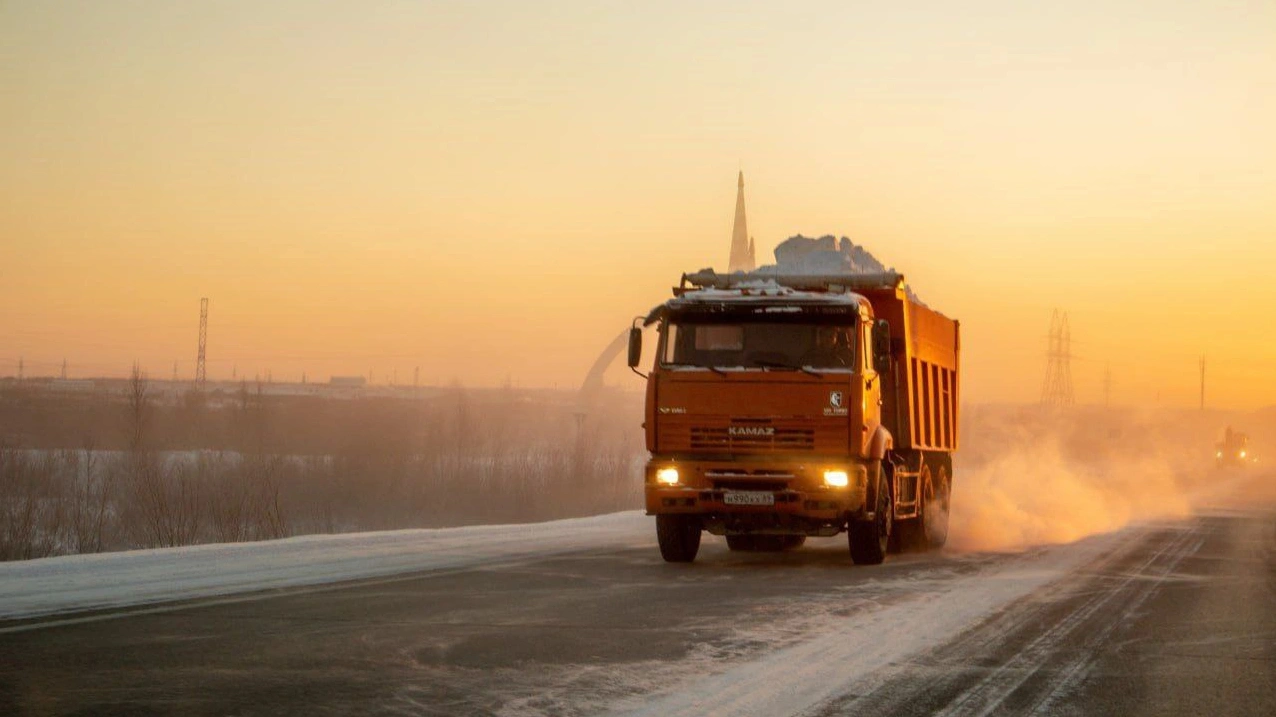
<point x="667" y="476"/>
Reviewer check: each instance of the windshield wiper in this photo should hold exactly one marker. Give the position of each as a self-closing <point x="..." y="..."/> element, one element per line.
<point x="780" y="364"/>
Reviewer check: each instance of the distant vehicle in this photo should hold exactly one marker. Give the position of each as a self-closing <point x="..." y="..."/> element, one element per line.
<point x="782" y="406"/>
<point x="1234" y="449"/>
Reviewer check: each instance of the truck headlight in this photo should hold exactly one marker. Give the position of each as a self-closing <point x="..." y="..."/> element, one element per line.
<point x="668" y="476"/>
<point x="836" y="479"/>
<point x="1242" y="454"/>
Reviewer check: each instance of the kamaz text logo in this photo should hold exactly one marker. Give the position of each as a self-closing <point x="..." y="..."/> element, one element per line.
<point x="750" y="431"/>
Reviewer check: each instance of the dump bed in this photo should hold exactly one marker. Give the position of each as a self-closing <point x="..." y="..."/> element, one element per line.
<point x="921" y="395"/>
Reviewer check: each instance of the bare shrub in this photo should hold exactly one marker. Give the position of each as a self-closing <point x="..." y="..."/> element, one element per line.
<point x="32" y="505"/>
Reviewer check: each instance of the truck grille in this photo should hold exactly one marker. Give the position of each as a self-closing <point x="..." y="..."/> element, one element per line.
<point x="724" y="438"/>
<point x="736" y="435"/>
<point x="760" y="479"/>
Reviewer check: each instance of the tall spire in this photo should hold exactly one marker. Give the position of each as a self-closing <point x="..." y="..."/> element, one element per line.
<point x="741" y="247"/>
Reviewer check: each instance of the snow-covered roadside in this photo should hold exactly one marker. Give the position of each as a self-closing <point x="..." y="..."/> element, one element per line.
<point x="74" y="583"/>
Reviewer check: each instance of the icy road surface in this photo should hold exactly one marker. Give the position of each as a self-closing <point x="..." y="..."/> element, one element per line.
<point x="583" y="618"/>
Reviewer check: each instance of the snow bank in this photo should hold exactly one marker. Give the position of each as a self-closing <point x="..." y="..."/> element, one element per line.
<point x="108" y="580"/>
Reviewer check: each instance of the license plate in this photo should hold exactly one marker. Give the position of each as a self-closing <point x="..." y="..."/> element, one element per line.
<point x="748" y="497"/>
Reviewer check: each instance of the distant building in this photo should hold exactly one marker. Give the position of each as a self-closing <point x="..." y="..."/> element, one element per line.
<point x="348" y="381"/>
<point x="71" y="384"/>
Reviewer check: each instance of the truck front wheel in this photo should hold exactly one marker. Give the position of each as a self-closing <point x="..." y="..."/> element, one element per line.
<point x="869" y="538"/>
<point x="679" y="537"/>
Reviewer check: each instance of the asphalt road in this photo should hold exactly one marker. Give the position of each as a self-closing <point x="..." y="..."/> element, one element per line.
<point x="1175" y="618"/>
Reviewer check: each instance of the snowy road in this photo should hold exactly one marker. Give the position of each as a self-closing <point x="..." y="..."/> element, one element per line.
<point x="1168" y="618"/>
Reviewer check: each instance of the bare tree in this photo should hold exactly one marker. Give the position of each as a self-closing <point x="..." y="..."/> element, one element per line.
<point x="229" y="501"/>
<point x="167" y="500"/>
<point x="260" y="468"/>
<point x="91" y="499"/>
<point x="139" y="411"/>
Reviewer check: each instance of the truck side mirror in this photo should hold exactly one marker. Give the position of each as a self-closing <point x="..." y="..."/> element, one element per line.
<point x="635" y="346"/>
<point x="882" y="346"/>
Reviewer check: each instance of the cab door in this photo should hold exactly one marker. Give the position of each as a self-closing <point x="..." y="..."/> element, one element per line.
<point x="871" y="385"/>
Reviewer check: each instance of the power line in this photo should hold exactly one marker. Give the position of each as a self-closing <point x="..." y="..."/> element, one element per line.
<point x="200" y="369"/>
<point x="1057" y="388"/>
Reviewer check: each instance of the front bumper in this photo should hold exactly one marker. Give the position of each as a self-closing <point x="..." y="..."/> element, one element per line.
<point x="802" y="503"/>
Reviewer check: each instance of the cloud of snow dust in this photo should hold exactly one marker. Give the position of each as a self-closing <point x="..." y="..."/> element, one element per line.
<point x="1032" y="495"/>
<point x="1029" y="477"/>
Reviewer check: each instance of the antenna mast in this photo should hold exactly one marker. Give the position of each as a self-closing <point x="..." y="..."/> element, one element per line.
<point x="200" y="372"/>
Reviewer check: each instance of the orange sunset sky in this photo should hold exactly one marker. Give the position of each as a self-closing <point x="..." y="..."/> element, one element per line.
<point x="490" y="190"/>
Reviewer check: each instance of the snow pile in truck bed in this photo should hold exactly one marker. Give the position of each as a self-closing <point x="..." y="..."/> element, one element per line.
<point x="826" y="255"/>
<point x="32" y="588"/>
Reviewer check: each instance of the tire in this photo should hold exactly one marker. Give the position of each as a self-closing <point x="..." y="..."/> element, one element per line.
<point x="869" y="538"/>
<point x="936" y="509"/>
<point x="910" y="535"/>
<point x="679" y="537"/>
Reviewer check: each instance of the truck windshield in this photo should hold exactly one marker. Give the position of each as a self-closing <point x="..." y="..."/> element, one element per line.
<point x="759" y="345"/>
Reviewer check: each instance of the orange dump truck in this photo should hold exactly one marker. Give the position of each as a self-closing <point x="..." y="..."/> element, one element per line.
<point x="786" y="406"/>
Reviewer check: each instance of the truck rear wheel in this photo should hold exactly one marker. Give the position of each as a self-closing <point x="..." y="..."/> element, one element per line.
<point x="869" y="538"/>
<point x="679" y="537"/>
<point x="911" y="535"/>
